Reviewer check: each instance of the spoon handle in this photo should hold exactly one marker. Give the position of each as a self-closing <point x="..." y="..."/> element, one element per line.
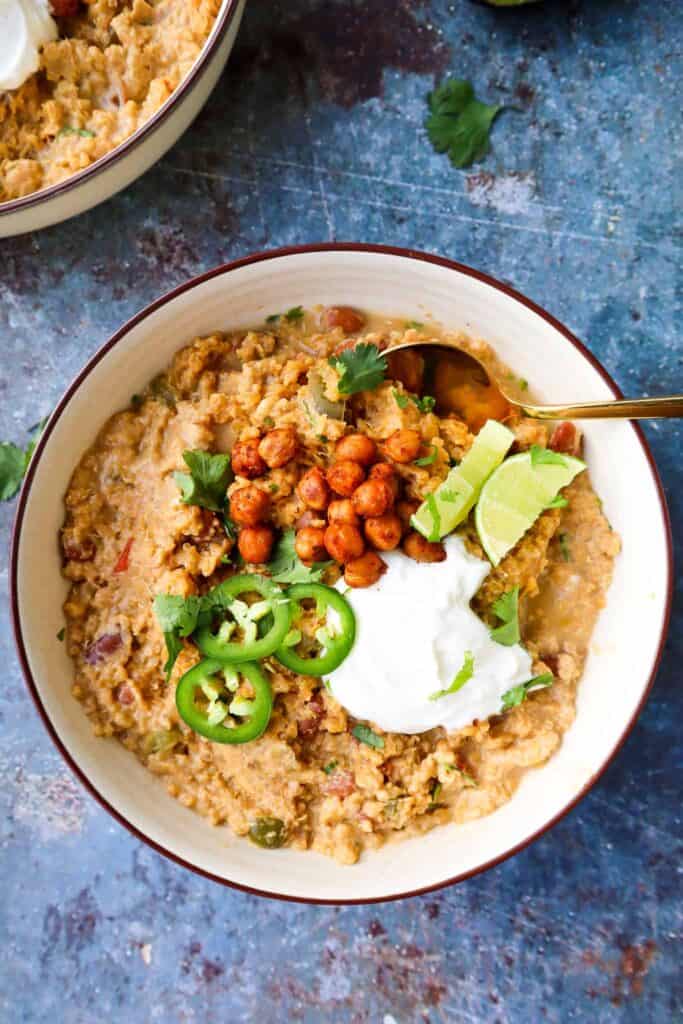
<point x="668" y="406"/>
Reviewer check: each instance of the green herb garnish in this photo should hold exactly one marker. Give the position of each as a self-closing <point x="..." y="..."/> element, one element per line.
<point x="61" y="634"/>
<point x="401" y="400"/>
<point x="14" y="463"/>
<point x="178" y="618"/>
<point x="85" y="133"/>
<point x="523" y="384"/>
<point x="273" y="318"/>
<point x="361" y="368"/>
<point x="511" y="698"/>
<point x="463" y="676"/>
<point x="364" y="734"/>
<point x="427" y="460"/>
<point x="545" y="456"/>
<point x="424" y="404"/>
<point x="506" y="608"/>
<point x="558" y="502"/>
<point x="414" y="324"/>
<point x="206" y="483"/>
<point x="295" y="314"/>
<point x="458" y="123"/>
<point x="286" y="567"/>
<point x="330" y="767"/>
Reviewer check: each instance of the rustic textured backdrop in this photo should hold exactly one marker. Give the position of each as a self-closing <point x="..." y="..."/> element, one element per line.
<point x="315" y="133"/>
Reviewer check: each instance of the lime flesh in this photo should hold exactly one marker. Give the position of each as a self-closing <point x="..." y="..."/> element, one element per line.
<point x="515" y="495"/>
<point x="453" y="499"/>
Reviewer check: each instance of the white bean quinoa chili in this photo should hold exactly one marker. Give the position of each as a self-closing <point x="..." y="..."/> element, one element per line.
<point x="348" y="487"/>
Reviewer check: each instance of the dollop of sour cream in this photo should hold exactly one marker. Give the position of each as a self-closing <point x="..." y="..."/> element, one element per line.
<point x="25" y="26"/>
<point x="414" y="630"/>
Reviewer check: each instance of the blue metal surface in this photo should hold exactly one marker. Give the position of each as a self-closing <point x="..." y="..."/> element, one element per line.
<point x="315" y="132"/>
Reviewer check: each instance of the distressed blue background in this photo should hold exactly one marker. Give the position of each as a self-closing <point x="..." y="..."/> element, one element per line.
<point x="315" y="132"/>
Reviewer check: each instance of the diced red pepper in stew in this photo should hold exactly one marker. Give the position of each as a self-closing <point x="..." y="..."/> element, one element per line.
<point x="123" y="560"/>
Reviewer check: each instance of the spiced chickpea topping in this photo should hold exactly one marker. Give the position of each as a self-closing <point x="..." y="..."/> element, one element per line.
<point x="256" y="542"/>
<point x="344" y="542"/>
<point x="350" y="320"/>
<point x="249" y="505"/>
<point x="403" y="445"/>
<point x="384" y="532"/>
<point x="246" y="460"/>
<point x="344" y="477"/>
<point x="278" y="447"/>
<point x="357" y="448"/>
<point x="383" y="471"/>
<point x="309" y="544"/>
<point x="373" y="498"/>
<point x="342" y="511"/>
<point x="314" y="490"/>
<point x="364" y="571"/>
<point x="423" y="550"/>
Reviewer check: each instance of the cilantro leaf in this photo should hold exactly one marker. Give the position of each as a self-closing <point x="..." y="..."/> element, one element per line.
<point x="85" y="133"/>
<point x="563" y="538"/>
<point x="330" y="767"/>
<point x="545" y="457"/>
<point x="506" y="608"/>
<point x="458" y="123"/>
<point x="511" y="698"/>
<point x="295" y="314"/>
<point x="427" y="460"/>
<point x="401" y="400"/>
<point x="206" y="483"/>
<point x="14" y="463"/>
<point x="558" y="502"/>
<point x="178" y="618"/>
<point x="360" y="369"/>
<point x="415" y="325"/>
<point x="364" y="734"/>
<point x="424" y="404"/>
<point x="286" y="567"/>
<point x="462" y="676"/>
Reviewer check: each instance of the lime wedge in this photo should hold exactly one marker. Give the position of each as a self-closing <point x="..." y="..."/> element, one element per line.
<point x="514" y="496"/>
<point x="451" y="502"/>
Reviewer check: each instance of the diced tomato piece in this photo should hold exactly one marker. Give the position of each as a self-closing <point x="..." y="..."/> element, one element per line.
<point x="566" y="438"/>
<point x="123" y="560"/>
<point x="314" y="712"/>
<point x="340" y="783"/>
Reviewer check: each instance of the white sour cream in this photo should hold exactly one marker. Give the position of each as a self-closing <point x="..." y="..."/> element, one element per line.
<point x="414" y="628"/>
<point x="25" y="25"/>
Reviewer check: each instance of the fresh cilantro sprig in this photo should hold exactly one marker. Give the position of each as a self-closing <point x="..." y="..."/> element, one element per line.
<point x="206" y="483"/>
<point x="293" y="316"/>
<point x="361" y="368"/>
<point x="514" y="696"/>
<point x="364" y="734"/>
<point x="178" y="617"/>
<point x="463" y="676"/>
<point x="506" y="608"/>
<point x="545" y="457"/>
<point x="458" y="123"/>
<point x="424" y="404"/>
<point x="68" y="129"/>
<point x="286" y="567"/>
<point x="427" y="460"/>
<point x="14" y="463"/>
<point x="558" y="502"/>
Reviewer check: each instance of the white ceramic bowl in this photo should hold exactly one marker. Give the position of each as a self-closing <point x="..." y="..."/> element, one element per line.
<point x="627" y="642"/>
<point x="126" y="162"/>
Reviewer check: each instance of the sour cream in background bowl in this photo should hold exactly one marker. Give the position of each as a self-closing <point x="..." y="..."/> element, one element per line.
<point x="127" y="161"/>
<point x="627" y="642"/>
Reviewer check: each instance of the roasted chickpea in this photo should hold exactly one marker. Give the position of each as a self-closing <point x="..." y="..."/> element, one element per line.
<point x="256" y="542"/>
<point x="344" y="542"/>
<point x="246" y="460"/>
<point x="310" y="544"/>
<point x="342" y="511"/>
<point x="383" y="471"/>
<point x="356" y="448"/>
<point x="364" y="571"/>
<point x="249" y="505"/>
<point x="344" y="477"/>
<point x="309" y="518"/>
<point x="313" y="489"/>
<point x="373" y="498"/>
<point x="423" y="550"/>
<point x="405" y="509"/>
<point x="403" y="445"/>
<point x="278" y="447"/>
<point x="345" y="317"/>
<point x="384" y="532"/>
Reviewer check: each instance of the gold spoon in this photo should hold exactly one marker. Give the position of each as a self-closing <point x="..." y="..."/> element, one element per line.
<point x="461" y="384"/>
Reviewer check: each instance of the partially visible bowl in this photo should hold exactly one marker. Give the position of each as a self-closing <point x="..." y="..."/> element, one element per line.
<point x="626" y="646"/>
<point x="131" y="158"/>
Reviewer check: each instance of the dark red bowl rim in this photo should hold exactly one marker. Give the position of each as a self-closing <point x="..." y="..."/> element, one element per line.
<point x="79" y="380"/>
<point x="222" y="24"/>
